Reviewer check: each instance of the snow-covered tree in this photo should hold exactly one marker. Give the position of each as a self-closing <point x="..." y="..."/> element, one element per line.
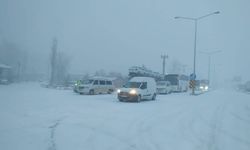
<point x="59" y="66"/>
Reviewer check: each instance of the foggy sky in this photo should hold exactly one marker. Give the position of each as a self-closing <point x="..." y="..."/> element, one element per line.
<point x="116" y="34"/>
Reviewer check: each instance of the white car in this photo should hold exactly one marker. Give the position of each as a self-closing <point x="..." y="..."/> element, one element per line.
<point x="96" y="85"/>
<point x="163" y="87"/>
<point x="137" y="89"/>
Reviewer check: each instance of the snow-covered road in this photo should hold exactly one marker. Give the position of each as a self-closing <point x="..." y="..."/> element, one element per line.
<point x="36" y="118"/>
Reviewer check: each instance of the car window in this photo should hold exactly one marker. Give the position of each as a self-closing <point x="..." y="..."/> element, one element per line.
<point x="108" y="82"/>
<point x="102" y="82"/>
<point x="132" y="85"/>
<point x="96" y="82"/>
<point x="144" y="85"/>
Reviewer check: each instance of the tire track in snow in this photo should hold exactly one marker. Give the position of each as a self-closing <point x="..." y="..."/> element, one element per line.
<point x="142" y="127"/>
<point x="209" y="142"/>
<point x="240" y="118"/>
<point x="99" y="131"/>
<point x="187" y="126"/>
<point x="147" y="126"/>
<point x="140" y="131"/>
<point x="52" y="128"/>
<point x="198" y="139"/>
<point x="216" y="127"/>
<point x="245" y="117"/>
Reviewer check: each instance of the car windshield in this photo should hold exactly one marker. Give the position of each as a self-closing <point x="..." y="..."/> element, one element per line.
<point x="133" y="85"/>
<point x="87" y="81"/>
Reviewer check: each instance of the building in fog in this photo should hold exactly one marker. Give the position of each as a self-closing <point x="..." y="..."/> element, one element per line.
<point x="5" y="72"/>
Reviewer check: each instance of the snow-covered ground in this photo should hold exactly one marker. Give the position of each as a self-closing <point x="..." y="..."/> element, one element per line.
<point x="36" y="118"/>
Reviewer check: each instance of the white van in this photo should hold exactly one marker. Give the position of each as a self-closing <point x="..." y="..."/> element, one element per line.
<point x="137" y="89"/>
<point x="164" y="87"/>
<point x="96" y="85"/>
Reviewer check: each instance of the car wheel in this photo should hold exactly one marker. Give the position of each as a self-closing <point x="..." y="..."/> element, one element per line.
<point x="139" y="98"/>
<point x="154" y="97"/>
<point x="110" y="91"/>
<point x="166" y="92"/>
<point x="91" y="92"/>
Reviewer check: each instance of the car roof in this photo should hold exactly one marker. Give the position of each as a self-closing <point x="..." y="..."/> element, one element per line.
<point x="142" y="79"/>
<point x="100" y="78"/>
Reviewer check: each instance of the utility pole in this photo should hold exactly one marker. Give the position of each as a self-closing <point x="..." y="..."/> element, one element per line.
<point x="53" y="61"/>
<point x="195" y="38"/>
<point x="210" y="54"/>
<point x="19" y="71"/>
<point x="164" y="57"/>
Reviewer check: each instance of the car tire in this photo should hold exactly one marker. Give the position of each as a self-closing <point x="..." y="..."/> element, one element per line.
<point x="91" y="92"/>
<point x="154" y="97"/>
<point x="139" y="99"/>
<point x="110" y="91"/>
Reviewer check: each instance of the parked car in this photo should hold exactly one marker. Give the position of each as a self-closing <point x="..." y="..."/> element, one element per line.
<point x="163" y="87"/>
<point x="4" y="81"/>
<point x="247" y="86"/>
<point x="76" y="85"/>
<point x="137" y="89"/>
<point x="96" y="85"/>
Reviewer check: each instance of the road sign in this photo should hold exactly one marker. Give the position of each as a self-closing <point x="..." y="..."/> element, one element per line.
<point x="192" y="76"/>
<point x="192" y="84"/>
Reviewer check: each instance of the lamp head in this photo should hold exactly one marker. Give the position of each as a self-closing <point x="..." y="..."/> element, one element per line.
<point x="217" y="12"/>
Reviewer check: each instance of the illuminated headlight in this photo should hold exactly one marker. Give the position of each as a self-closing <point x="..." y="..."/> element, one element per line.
<point x="201" y="87"/>
<point x="76" y="84"/>
<point x="133" y="92"/>
<point x="206" y="87"/>
<point x="118" y="91"/>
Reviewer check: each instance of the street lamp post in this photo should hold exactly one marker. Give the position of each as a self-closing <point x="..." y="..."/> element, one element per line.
<point x="209" y="61"/>
<point x="195" y="37"/>
<point x="164" y="57"/>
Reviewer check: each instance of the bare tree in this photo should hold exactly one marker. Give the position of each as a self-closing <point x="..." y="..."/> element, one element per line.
<point x="62" y="66"/>
<point x="176" y="67"/>
<point x="59" y="66"/>
<point x="53" y="61"/>
<point x="100" y="73"/>
<point x="13" y="55"/>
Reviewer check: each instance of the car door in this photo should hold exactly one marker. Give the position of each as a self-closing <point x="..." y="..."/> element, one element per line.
<point x="102" y="86"/>
<point x="145" y="91"/>
<point x="109" y="86"/>
<point x="96" y="87"/>
<point x="168" y="88"/>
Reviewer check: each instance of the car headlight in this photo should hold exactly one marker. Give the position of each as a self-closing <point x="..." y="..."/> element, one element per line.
<point x="206" y="87"/>
<point x="133" y="92"/>
<point x="118" y="91"/>
<point x="201" y="87"/>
